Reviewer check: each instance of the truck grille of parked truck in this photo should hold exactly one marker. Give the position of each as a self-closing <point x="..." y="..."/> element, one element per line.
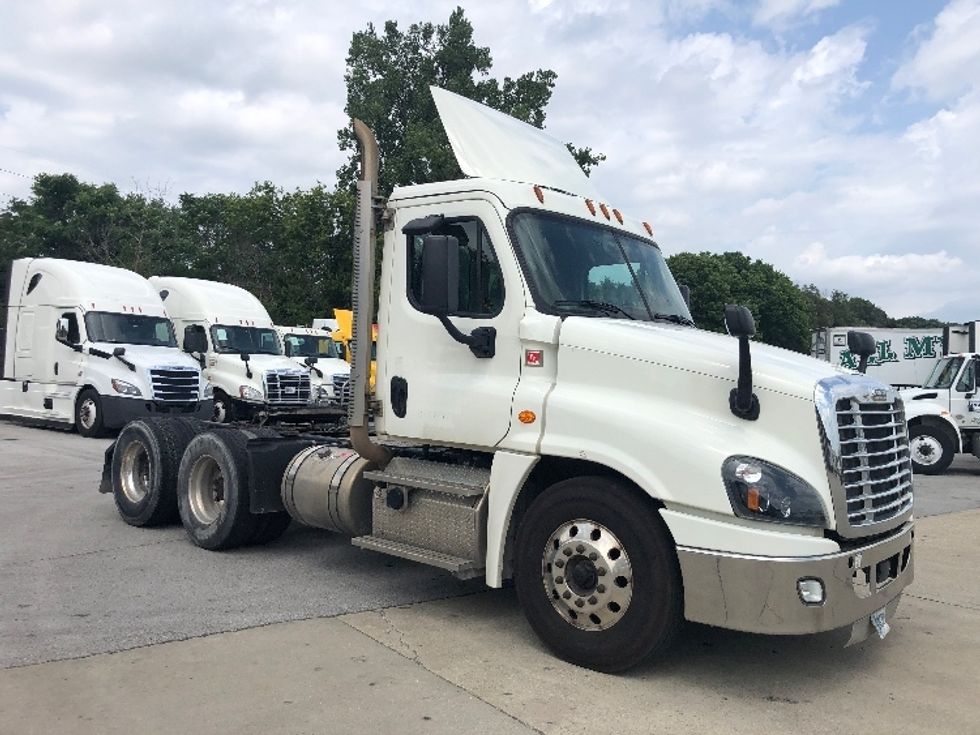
<point x="287" y="387"/>
<point x="175" y="384"/>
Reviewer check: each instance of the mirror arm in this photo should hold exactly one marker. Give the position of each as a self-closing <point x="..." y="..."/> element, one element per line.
<point x="481" y="341"/>
<point x="248" y="370"/>
<point x="742" y="401"/>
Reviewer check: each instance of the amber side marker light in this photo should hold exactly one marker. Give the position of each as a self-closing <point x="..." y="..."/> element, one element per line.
<point x="591" y="205"/>
<point x="526" y="417"/>
<point x="648" y="228"/>
<point x="605" y="210"/>
<point x="538" y="193"/>
<point x="618" y="215"/>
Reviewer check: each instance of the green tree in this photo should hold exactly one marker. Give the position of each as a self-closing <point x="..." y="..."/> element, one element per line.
<point x="388" y="77"/>
<point x="780" y="310"/>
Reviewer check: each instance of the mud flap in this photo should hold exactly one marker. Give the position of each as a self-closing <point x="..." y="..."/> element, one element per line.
<point x="105" y="486"/>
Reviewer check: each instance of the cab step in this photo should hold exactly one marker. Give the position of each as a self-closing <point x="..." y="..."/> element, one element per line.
<point x="463" y="482"/>
<point x="462" y="568"/>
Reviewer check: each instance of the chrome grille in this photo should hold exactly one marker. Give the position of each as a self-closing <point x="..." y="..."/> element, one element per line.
<point x="866" y="448"/>
<point x="342" y="388"/>
<point x="175" y="384"/>
<point x="287" y="387"/>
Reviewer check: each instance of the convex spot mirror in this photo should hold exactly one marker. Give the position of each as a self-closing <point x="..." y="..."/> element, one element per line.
<point x="440" y="275"/>
<point x="739" y="321"/>
<point x="195" y="340"/>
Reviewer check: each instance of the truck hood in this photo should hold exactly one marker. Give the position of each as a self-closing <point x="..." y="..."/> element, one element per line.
<point x="697" y="351"/>
<point x="231" y="363"/>
<point x="148" y="356"/>
<point x="326" y="365"/>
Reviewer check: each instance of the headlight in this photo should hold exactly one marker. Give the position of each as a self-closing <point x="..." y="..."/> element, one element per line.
<point x="764" y="492"/>
<point x="208" y="391"/>
<point x="127" y="389"/>
<point x="248" y="393"/>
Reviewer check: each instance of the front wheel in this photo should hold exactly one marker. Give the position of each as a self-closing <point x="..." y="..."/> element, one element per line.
<point x="932" y="449"/>
<point x="223" y="411"/>
<point x="88" y="414"/>
<point x="597" y="575"/>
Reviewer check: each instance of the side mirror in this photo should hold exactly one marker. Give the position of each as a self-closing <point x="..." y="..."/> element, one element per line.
<point x="685" y="294"/>
<point x="311" y="361"/>
<point x="118" y="351"/>
<point x="61" y="332"/>
<point x="739" y="321"/>
<point x="195" y="340"/>
<point x="440" y="275"/>
<point x="863" y="345"/>
<point x="245" y="356"/>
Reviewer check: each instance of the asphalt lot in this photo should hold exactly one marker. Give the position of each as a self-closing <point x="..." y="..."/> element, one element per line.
<point x="84" y="597"/>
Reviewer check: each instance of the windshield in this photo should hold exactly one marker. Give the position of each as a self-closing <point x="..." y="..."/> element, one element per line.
<point x="944" y="373"/>
<point x="129" y="329"/>
<point x="577" y="267"/>
<point x="310" y="345"/>
<point x="250" y="340"/>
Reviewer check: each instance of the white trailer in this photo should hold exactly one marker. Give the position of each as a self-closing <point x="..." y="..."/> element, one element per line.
<point x="903" y="357"/>
<point x="546" y="412"/>
<point x="316" y="351"/>
<point x="243" y="357"/>
<point x="90" y="346"/>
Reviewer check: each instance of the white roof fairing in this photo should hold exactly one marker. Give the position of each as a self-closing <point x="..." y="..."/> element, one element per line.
<point x="492" y="145"/>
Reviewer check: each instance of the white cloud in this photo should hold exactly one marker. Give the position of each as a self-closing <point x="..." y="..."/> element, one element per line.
<point x="782" y="13"/>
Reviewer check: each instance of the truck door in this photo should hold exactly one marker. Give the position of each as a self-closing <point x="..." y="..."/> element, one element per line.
<point x="431" y="386"/>
<point x="964" y="404"/>
<point x="66" y="367"/>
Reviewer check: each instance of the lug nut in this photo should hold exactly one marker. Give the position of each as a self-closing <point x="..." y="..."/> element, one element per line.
<point x="601" y="571"/>
<point x="593" y="600"/>
<point x="559" y="580"/>
<point x="593" y="556"/>
<point x="566" y="551"/>
<point x="559" y="563"/>
<point x="580" y="548"/>
<point x="600" y="588"/>
<point x="579" y="603"/>
<point x="567" y="594"/>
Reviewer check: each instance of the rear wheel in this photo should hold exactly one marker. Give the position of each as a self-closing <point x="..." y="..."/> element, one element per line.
<point x="597" y="574"/>
<point x="932" y="449"/>
<point x="88" y="414"/>
<point x="212" y="491"/>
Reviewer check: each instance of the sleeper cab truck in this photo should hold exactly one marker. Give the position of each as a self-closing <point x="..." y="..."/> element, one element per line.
<point x="545" y="412"/>
<point x="243" y="356"/>
<point x="316" y="351"/>
<point x="90" y="346"/>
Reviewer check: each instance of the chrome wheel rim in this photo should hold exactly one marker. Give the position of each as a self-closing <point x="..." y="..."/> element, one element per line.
<point x="587" y="575"/>
<point x="206" y="490"/>
<point x="926" y="450"/>
<point x="87" y="413"/>
<point x="134" y="472"/>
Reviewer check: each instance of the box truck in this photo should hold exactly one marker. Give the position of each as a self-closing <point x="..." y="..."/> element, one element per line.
<point x="546" y="412"/>
<point x="242" y="354"/>
<point x="902" y="357"/>
<point x="90" y="346"/>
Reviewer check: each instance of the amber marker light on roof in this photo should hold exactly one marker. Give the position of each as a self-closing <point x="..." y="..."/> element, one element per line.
<point x="538" y="193"/>
<point x="591" y="205"/>
<point x="618" y="215"/>
<point x="648" y="228"/>
<point x="605" y="210"/>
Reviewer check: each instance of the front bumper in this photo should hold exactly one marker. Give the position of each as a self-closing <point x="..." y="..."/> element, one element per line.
<point x="759" y="594"/>
<point x="118" y="411"/>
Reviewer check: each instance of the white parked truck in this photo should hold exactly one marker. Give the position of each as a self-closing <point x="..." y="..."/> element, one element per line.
<point x="546" y="412"/>
<point x="316" y="351"/>
<point x="243" y="358"/>
<point x="90" y="346"/>
<point x="902" y="357"/>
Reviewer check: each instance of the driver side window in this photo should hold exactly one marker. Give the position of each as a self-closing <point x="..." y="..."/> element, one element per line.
<point x="73" y="337"/>
<point x="968" y="379"/>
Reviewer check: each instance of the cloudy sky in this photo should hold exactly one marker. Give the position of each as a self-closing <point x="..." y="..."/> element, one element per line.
<point x="838" y="140"/>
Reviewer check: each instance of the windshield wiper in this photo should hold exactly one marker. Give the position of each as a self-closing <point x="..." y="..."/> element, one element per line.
<point x="598" y="305"/>
<point x="675" y="318"/>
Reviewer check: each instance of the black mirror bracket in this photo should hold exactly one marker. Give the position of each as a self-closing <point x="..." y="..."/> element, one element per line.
<point x="482" y="341"/>
<point x="743" y="402"/>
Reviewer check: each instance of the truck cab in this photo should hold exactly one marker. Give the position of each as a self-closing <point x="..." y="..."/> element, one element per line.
<point x="91" y="346"/>
<point x="243" y="355"/>
<point x="316" y="350"/>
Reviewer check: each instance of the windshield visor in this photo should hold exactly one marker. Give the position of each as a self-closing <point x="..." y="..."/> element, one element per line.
<point x="129" y="329"/>
<point x="309" y="345"/>
<point x="576" y="267"/>
<point x="249" y="340"/>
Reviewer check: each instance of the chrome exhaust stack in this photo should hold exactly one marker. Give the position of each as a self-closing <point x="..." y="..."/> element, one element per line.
<point x="362" y="299"/>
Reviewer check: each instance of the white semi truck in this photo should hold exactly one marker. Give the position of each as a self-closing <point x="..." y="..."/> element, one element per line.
<point x="243" y="357"/>
<point x="90" y="346"/>
<point x="315" y="350"/>
<point x="546" y="412"/>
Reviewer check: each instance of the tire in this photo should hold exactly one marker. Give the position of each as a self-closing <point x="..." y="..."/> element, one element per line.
<point x="145" y="464"/>
<point x="269" y="527"/>
<point x="89" y="417"/>
<point x="224" y="408"/>
<point x="212" y="491"/>
<point x="932" y="449"/>
<point x="636" y="613"/>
